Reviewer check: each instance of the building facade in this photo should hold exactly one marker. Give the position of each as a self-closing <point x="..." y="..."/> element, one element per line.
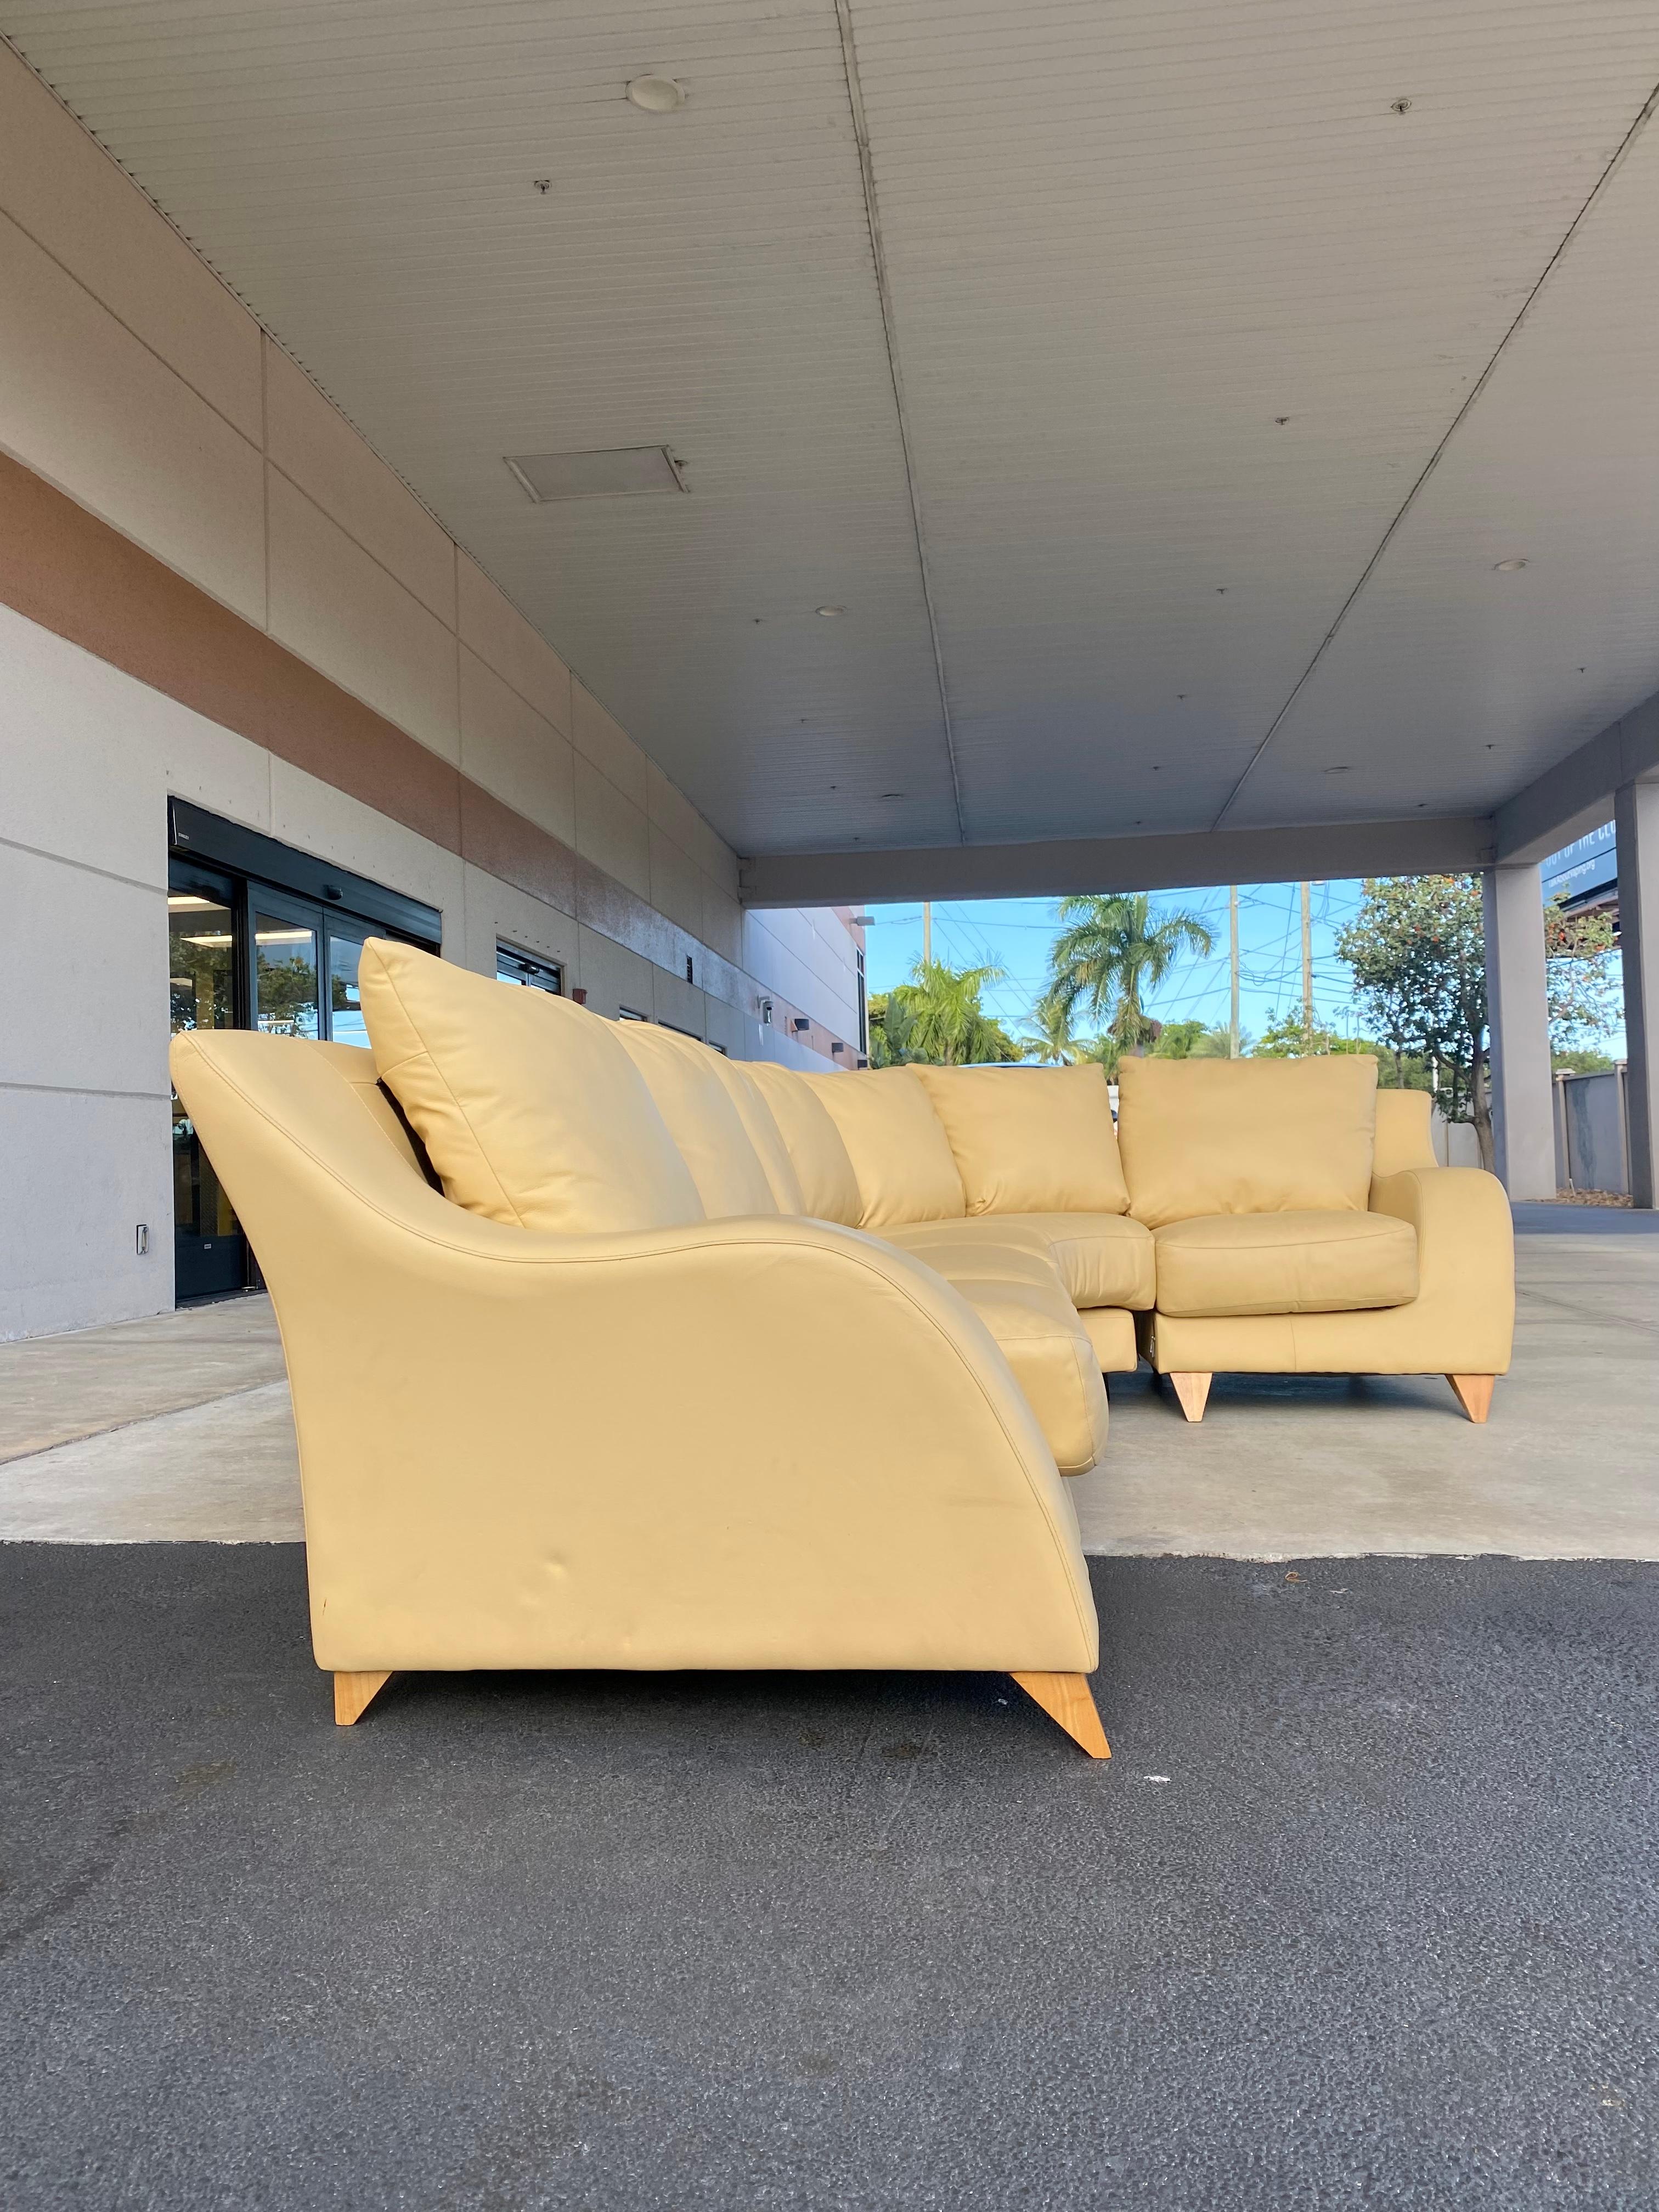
<point x="258" y="704"/>
<point x="1584" y="875"/>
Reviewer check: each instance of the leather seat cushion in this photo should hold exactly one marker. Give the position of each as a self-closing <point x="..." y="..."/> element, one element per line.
<point x="1104" y="1259"/>
<point x="1332" y="1261"/>
<point x="1014" y="1287"/>
<point x="1101" y="1259"/>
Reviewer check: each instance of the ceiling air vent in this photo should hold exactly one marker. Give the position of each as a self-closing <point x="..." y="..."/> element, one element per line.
<point x="623" y="471"/>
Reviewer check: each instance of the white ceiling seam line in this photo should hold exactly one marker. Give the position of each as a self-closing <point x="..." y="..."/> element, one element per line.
<point x="884" y="293"/>
<point x="1644" y="116"/>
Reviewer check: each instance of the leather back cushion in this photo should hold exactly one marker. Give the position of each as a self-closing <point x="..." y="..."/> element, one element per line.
<point x="762" y="1124"/>
<point x="1246" y="1136"/>
<point x="528" y="1106"/>
<point x="1403" y="1137"/>
<point x="1030" y="1140"/>
<point x="897" y="1145"/>
<point x="829" y="1188"/>
<point x="683" y="1078"/>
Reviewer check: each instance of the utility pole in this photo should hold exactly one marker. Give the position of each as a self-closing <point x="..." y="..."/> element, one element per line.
<point x="1232" y="954"/>
<point x="926" y="933"/>
<point x="1306" y="967"/>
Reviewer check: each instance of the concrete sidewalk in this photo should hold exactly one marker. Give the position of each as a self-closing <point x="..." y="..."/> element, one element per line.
<point x="180" y="1428"/>
<point x="1285" y="1466"/>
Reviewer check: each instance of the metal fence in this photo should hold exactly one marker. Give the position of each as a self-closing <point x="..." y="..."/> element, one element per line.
<point x="1592" y="1132"/>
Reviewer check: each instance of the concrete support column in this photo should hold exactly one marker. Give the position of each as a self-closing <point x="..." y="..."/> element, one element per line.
<point x="1522" y="1098"/>
<point x="1636" y="817"/>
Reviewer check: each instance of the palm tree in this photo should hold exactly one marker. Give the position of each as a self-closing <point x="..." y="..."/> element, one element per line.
<point x="1192" y="1040"/>
<point x="1217" y="1044"/>
<point x="937" y="1017"/>
<point x="1048" y="1037"/>
<point x="1113" y="948"/>
<point x="1104" y="1049"/>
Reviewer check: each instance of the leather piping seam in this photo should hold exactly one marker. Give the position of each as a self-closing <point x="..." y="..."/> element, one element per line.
<point x="1313" y="1243"/>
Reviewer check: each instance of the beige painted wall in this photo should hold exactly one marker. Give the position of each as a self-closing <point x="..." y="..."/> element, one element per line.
<point x="136" y="382"/>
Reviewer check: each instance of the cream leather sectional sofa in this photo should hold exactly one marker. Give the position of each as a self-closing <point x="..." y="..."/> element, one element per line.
<point x="608" y="1351"/>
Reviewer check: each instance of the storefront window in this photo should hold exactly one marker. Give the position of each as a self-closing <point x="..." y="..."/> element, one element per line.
<point x="285" y="977"/>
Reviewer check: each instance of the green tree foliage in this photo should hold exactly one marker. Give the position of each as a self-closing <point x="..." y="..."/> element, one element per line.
<point x="1581" y="979"/>
<point x="1103" y="1050"/>
<point x="1113" y="948"/>
<point x="288" y="997"/>
<point x="1417" y="948"/>
<point x="1046" y="1037"/>
<point x="889" y="1030"/>
<point x="1176" y="1039"/>
<point x="938" y="1017"/>
<point x="1285" y="1038"/>
<point x="1191" y="1040"/>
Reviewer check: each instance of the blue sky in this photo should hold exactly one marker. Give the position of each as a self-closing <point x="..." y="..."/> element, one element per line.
<point x="1015" y="934"/>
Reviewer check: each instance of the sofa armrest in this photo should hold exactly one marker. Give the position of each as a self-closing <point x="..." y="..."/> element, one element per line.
<point x="756" y="1442"/>
<point x="1465" y="1257"/>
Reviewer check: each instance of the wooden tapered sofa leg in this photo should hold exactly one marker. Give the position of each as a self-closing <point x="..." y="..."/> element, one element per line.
<point x="1066" y="1700"/>
<point x="1473" y="1393"/>
<point x="1194" y="1392"/>
<point x="355" y="1693"/>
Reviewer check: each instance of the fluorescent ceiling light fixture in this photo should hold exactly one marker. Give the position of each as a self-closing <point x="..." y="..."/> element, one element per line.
<point x="1508" y="567"/>
<point x="832" y="610"/>
<point x="207" y="940"/>
<point x="657" y="95"/>
<point x="618" y="471"/>
<point x="282" y="936"/>
<point x="178" y="900"/>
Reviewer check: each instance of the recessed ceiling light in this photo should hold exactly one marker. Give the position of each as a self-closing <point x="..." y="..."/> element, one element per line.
<point x="832" y="610"/>
<point x="613" y="473"/>
<point x="657" y="95"/>
<point x="1508" y="567"/>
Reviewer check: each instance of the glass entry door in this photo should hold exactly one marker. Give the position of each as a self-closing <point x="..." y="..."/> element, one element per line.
<point x="247" y="954"/>
<point x="287" y="941"/>
<point x="205" y="983"/>
<point x="346" y="936"/>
